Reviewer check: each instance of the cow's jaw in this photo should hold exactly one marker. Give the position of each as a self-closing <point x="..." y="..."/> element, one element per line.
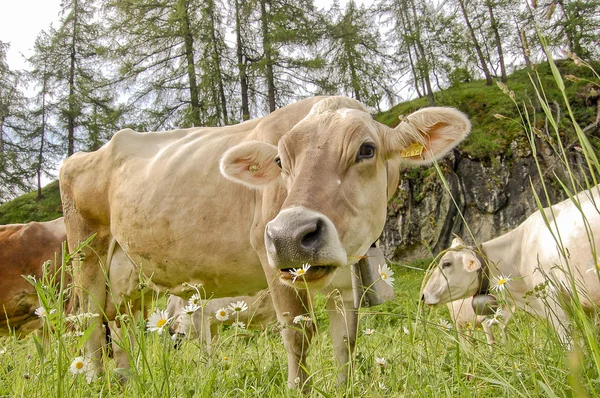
<point x="305" y="242"/>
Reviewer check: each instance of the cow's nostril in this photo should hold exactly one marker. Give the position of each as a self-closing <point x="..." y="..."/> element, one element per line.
<point x="313" y="235"/>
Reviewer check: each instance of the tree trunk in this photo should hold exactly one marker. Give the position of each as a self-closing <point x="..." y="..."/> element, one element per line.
<point x="217" y="61"/>
<point x="241" y="63"/>
<point x="498" y="40"/>
<point x="71" y="109"/>
<point x="42" y="137"/>
<point x="422" y="62"/>
<point x="268" y="50"/>
<point x="196" y="113"/>
<point x="486" y="71"/>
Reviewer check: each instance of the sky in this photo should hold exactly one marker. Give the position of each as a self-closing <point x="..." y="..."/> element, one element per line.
<point x="20" y="23"/>
<point x="22" y="20"/>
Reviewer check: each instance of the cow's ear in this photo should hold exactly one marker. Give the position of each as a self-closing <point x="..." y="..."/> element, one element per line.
<point x="426" y="135"/>
<point x="470" y="262"/>
<point x="251" y="163"/>
<point x="457" y="242"/>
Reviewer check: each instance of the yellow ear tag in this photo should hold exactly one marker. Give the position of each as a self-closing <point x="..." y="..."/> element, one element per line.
<point x="414" y="149"/>
<point x="253" y="168"/>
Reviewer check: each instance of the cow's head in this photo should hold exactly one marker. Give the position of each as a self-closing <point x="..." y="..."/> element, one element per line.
<point x="455" y="277"/>
<point x="333" y="167"/>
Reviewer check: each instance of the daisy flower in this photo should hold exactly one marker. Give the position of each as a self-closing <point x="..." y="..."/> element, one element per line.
<point x="222" y="314"/>
<point x="81" y="365"/>
<point x="500" y="283"/>
<point x="382" y="386"/>
<point x="42" y="313"/>
<point x="381" y="362"/>
<point x="301" y="318"/>
<point x="495" y="319"/>
<point x="240" y="306"/>
<point x="406" y="330"/>
<point x="368" y="332"/>
<point x="386" y="274"/>
<point x="195" y="300"/>
<point x="158" y="321"/>
<point x="445" y="325"/>
<point x="594" y="269"/>
<point x="190" y="309"/>
<point x="238" y="325"/>
<point x="298" y="272"/>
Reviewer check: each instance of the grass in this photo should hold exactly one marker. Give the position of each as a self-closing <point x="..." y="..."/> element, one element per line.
<point x="422" y="359"/>
<point x="28" y="207"/>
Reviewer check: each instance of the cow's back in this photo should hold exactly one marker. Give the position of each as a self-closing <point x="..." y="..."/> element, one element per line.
<point x="579" y="238"/>
<point x="152" y="191"/>
<point x="24" y="248"/>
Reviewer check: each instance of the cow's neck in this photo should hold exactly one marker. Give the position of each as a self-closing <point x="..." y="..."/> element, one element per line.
<point x="504" y="253"/>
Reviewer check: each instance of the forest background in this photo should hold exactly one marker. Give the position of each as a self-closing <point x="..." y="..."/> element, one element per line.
<point x="156" y="65"/>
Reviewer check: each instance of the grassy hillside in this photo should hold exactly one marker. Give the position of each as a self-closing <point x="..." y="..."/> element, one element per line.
<point x="492" y="136"/>
<point x="27" y="207"/>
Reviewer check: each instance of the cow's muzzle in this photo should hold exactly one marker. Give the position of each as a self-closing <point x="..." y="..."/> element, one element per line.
<point x="299" y="236"/>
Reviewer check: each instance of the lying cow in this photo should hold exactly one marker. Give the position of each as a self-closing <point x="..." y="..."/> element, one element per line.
<point x="530" y="256"/>
<point x="24" y="248"/>
<point x="259" y="315"/>
<point x="247" y="207"/>
<point x="466" y="320"/>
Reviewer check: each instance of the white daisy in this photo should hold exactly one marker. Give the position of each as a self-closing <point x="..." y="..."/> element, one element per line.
<point x="41" y="312"/>
<point x="238" y="325"/>
<point x="301" y="318"/>
<point x="382" y="386"/>
<point x="500" y="282"/>
<point x="81" y="365"/>
<point x="496" y="318"/>
<point x="240" y="306"/>
<point x="368" y="332"/>
<point x="386" y="274"/>
<point x="445" y="325"/>
<point x="190" y="309"/>
<point x="381" y="362"/>
<point x="158" y="321"/>
<point x="222" y="314"/>
<point x="406" y="330"/>
<point x="298" y="272"/>
<point x="195" y="300"/>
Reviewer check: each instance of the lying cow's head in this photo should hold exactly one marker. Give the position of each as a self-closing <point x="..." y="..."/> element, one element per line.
<point x="456" y="276"/>
<point x="333" y="167"/>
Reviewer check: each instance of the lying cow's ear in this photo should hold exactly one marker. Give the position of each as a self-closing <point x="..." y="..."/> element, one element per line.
<point x="426" y="135"/>
<point x="251" y="163"/>
<point x="457" y="242"/>
<point x="471" y="263"/>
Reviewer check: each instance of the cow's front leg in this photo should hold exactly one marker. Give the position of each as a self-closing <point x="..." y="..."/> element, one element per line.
<point x="343" y="319"/>
<point x="291" y="304"/>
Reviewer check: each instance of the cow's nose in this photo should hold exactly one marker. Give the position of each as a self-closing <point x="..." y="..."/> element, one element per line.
<point x="297" y="240"/>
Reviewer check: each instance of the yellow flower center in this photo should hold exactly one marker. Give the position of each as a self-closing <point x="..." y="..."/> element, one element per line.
<point x="222" y="313"/>
<point x="301" y="272"/>
<point x="79" y="365"/>
<point x="501" y="282"/>
<point x="226" y="358"/>
<point x="384" y="275"/>
<point x="161" y="323"/>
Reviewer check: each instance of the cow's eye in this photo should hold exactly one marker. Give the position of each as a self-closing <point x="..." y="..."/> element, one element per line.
<point x="366" y="151"/>
<point x="446" y="264"/>
<point x="278" y="161"/>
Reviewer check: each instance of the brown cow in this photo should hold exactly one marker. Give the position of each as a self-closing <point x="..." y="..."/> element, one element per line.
<point x="24" y="248"/>
<point x="238" y="208"/>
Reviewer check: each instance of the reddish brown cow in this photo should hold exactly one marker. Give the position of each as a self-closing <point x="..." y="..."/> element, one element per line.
<point x="24" y="248"/>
